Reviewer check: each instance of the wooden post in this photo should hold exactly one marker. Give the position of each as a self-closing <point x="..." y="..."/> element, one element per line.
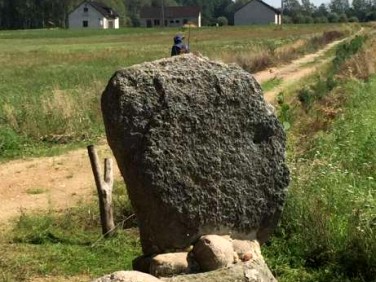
<point x="104" y="189"/>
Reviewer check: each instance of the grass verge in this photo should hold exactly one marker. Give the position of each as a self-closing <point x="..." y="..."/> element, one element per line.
<point x="328" y="229"/>
<point x="68" y="243"/>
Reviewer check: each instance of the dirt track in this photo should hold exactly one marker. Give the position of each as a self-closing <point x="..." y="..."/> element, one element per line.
<point x="63" y="181"/>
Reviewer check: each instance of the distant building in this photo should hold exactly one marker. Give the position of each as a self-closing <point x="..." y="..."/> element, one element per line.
<point x="170" y="16"/>
<point x="91" y="14"/>
<point x="257" y="12"/>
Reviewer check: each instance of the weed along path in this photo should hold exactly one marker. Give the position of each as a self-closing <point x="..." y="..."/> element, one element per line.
<point x="55" y="183"/>
<point x="295" y="71"/>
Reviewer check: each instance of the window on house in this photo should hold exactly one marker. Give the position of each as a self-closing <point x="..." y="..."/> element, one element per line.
<point x="177" y="21"/>
<point x="185" y="21"/>
<point x="156" y="22"/>
<point x="85" y="23"/>
<point x="171" y="21"/>
<point x="86" y="9"/>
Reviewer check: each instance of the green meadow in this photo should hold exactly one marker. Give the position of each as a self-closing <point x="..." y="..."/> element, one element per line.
<point x="51" y="80"/>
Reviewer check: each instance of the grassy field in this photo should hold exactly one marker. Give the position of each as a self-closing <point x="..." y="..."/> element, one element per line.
<point x="328" y="229"/>
<point x="51" y="80"/>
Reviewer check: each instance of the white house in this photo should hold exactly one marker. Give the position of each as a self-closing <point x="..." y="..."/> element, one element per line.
<point x="91" y="14"/>
<point x="257" y="12"/>
<point x="170" y="16"/>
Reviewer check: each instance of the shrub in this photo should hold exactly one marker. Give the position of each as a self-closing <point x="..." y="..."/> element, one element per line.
<point x="10" y="142"/>
<point x="306" y="96"/>
<point x="222" y="21"/>
<point x="343" y="18"/>
<point x="333" y="18"/>
<point x="346" y="50"/>
<point x="353" y="19"/>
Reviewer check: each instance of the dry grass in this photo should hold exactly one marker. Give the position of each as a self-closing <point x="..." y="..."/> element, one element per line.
<point x="270" y="54"/>
<point x="362" y="65"/>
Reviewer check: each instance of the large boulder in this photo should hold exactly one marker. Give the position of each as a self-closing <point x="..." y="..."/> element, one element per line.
<point x="199" y="149"/>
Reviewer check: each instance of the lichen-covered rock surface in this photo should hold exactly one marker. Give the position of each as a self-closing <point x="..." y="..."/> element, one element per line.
<point x="199" y="149"/>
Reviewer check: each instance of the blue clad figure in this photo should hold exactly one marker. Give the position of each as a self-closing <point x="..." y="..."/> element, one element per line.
<point x="179" y="47"/>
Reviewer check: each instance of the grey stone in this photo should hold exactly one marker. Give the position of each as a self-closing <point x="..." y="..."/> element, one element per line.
<point x="251" y="271"/>
<point x="169" y="264"/>
<point x="127" y="276"/>
<point x="247" y="250"/>
<point x="199" y="149"/>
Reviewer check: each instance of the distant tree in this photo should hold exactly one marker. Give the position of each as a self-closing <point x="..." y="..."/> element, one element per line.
<point x="222" y="21"/>
<point x="308" y="19"/>
<point x="339" y="6"/>
<point x="321" y="20"/>
<point x="287" y="20"/>
<point x="298" y="18"/>
<point x="307" y="7"/>
<point x="371" y="16"/>
<point x="343" y="18"/>
<point x="353" y="19"/>
<point x="360" y="8"/>
<point x="333" y="17"/>
<point x="321" y="11"/>
<point x="291" y="7"/>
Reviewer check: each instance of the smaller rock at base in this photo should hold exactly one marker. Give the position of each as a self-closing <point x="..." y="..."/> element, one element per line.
<point x="169" y="264"/>
<point x="212" y="252"/>
<point x="247" y="250"/>
<point x="127" y="276"/>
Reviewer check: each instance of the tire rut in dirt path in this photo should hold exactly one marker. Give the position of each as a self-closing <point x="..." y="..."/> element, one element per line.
<point x="294" y="71"/>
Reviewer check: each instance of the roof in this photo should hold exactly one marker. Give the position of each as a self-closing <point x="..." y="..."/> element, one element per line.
<point x="277" y="11"/>
<point x="104" y="10"/>
<point x="169" y="12"/>
<point x="101" y="8"/>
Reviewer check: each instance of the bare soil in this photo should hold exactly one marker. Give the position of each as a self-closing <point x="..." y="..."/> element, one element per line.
<point x="63" y="181"/>
<point x="295" y="71"/>
<point x="49" y="183"/>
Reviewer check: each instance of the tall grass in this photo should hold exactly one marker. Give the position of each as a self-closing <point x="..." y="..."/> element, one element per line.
<point x="328" y="230"/>
<point x="68" y="243"/>
<point x="273" y="52"/>
<point x="51" y="80"/>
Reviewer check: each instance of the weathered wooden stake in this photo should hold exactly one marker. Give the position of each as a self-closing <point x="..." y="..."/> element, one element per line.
<point x="104" y="189"/>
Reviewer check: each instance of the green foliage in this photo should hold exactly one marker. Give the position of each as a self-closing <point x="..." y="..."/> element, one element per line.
<point x="321" y="86"/>
<point x="328" y="229"/>
<point x="270" y="84"/>
<point x="222" y="21"/>
<point x="353" y="19"/>
<point x="306" y="96"/>
<point x="284" y="112"/>
<point x="346" y="50"/>
<point x="10" y="142"/>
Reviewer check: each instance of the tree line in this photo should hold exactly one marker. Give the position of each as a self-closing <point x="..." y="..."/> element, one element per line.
<point x="26" y="14"/>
